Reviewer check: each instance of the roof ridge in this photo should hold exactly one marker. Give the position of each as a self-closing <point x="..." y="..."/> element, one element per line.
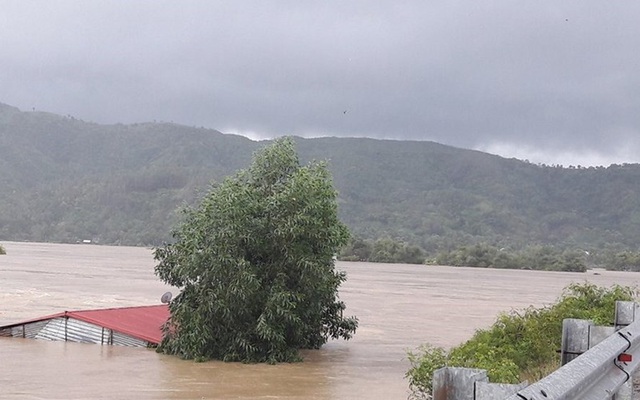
<point x="116" y="308"/>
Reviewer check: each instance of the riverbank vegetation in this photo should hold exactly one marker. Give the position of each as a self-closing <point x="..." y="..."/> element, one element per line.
<point x="520" y="345"/>
<point x="540" y="257"/>
<point x="544" y="258"/>
<point x="255" y="265"/>
<point x="482" y="255"/>
<point x="385" y="250"/>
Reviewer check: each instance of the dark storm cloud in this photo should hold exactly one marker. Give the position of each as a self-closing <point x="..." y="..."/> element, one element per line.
<point x="549" y="81"/>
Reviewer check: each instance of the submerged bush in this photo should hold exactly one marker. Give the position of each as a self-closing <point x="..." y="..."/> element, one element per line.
<point x="520" y="345"/>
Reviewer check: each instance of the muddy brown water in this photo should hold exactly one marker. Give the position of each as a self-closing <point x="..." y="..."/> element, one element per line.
<point x="399" y="307"/>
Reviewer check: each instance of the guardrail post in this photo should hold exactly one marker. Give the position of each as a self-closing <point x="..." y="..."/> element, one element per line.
<point x="626" y="312"/>
<point x="493" y="391"/>
<point x="575" y="338"/>
<point x="452" y="383"/>
<point x="599" y="333"/>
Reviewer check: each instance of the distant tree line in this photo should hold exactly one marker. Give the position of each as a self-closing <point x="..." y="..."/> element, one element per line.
<point x="620" y="260"/>
<point x="545" y="258"/>
<point x="539" y="257"/>
<point x="384" y="250"/>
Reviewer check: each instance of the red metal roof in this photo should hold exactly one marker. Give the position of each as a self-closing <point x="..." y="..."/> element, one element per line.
<point x="143" y="322"/>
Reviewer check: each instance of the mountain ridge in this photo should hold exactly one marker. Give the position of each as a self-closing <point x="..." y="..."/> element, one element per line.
<point x="66" y="180"/>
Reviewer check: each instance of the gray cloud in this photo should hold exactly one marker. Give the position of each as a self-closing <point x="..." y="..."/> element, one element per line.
<point x="554" y="82"/>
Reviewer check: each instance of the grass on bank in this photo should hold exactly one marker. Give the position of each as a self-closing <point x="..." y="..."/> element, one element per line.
<point x="520" y="345"/>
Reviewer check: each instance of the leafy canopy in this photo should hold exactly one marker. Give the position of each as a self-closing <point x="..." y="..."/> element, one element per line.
<point x="255" y="262"/>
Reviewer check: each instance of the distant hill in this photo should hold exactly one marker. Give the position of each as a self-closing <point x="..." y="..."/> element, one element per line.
<point x="66" y="180"/>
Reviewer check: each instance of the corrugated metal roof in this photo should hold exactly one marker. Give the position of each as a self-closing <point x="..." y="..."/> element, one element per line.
<point x="143" y="322"/>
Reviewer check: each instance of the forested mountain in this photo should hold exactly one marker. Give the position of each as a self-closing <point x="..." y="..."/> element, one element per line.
<point x="65" y="180"/>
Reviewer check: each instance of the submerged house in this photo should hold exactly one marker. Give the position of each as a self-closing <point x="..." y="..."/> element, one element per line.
<point x="127" y="326"/>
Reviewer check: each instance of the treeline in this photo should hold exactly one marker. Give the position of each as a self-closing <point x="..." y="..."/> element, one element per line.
<point x="541" y="257"/>
<point x="385" y="250"/>
<point x="545" y="258"/>
<point x="619" y="260"/>
<point x="482" y="255"/>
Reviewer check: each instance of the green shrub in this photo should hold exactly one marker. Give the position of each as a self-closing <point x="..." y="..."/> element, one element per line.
<point x="424" y="362"/>
<point x="520" y="344"/>
<point x="2" y="250"/>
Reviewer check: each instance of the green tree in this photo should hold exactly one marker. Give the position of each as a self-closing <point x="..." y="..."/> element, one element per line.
<point x="255" y="264"/>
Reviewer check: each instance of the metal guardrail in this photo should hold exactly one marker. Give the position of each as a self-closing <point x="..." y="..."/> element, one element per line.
<point x="600" y="363"/>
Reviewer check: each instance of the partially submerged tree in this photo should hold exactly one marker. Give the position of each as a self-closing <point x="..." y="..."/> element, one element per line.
<point x="255" y="264"/>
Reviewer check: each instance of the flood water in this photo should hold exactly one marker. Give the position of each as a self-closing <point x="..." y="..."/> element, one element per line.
<point x="399" y="307"/>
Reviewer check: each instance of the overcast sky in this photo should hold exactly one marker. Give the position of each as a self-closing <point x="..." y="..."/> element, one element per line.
<point x="549" y="81"/>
